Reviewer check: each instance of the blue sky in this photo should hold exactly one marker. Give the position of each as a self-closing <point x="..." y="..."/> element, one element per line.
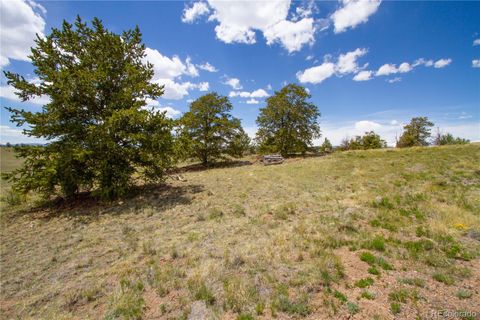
<point x="369" y="65"/>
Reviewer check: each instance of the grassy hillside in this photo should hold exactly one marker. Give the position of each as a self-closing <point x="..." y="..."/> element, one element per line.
<point x="367" y="234"/>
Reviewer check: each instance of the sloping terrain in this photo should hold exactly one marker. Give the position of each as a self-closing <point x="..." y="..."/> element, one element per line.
<point x="362" y="235"/>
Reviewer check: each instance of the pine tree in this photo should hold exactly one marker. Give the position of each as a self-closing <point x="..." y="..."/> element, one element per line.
<point x="98" y="131"/>
<point x="289" y="123"/>
<point x="209" y="132"/>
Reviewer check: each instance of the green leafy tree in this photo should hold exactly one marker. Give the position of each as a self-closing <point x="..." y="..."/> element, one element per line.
<point x="370" y="140"/>
<point x="289" y="123"/>
<point x="448" y="139"/>
<point x="326" y="146"/>
<point x="416" y="133"/>
<point x="209" y="132"/>
<point x="98" y="131"/>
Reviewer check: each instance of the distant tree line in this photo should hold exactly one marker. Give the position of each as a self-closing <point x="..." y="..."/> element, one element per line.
<point x="103" y="137"/>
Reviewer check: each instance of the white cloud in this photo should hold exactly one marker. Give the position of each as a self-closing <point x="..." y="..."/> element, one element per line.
<point x="178" y="90"/>
<point x="191" y="69"/>
<point x="476" y="63"/>
<point x="253" y="101"/>
<point x="168" y="71"/>
<point x="476" y="42"/>
<point x="405" y="67"/>
<point x="442" y="63"/>
<point x="207" y="67"/>
<point x="353" y="13"/>
<point x="386" y="69"/>
<point x="422" y="61"/>
<point x="194" y="12"/>
<point x="396" y="79"/>
<point x="309" y="57"/>
<point x="259" y="93"/>
<point x="394" y="122"/>
<point x="234" y="83"/>
<point x="168" y="68"/>
<point x="238" y="22"/>
<point x="363" y="76"/>
<point x="366" y="125"/>
<point x="347" y="63"/>
<point x="169" y="111"/>
<point x="20" y="21"/>
<point x="291" y="35"/>
<point x="203" y="86"/>
<point x="316" y="74"/>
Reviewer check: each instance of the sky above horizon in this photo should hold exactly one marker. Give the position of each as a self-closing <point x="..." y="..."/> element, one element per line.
<point x="368" y="65"/>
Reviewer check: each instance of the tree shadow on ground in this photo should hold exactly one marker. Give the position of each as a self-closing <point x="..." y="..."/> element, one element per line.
<point x="84" y="205"/>
<point x="200" y="167"/>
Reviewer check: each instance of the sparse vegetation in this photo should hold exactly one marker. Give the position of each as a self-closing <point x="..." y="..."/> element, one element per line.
<point x="288" y="242"/>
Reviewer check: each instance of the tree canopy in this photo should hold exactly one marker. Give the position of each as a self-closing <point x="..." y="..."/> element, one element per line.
<point x="447" y="139"/>
<point x="209" y="132"/>
<point x="99" y="132"/>
<point x="370" y="140"/>
<point x="416" y="133"/>
<point x="289" y="122"/>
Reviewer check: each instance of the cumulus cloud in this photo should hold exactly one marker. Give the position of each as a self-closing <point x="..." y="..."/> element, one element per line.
<point x="234" y="83"/>
<point x="198" y="9"/>
<point x="291" y="35"/>
<point x="169" y="111"/>
<point x="353" y="13"/>
<point x="405" y="67"/>
<point x="366" y="125"/>
<point x="476" y="63"/>
<point x="386" y="69"/>
<point x="207" y="67"/>
<point x="476" y="42"/>
<point x="178" y="90"/>
<point x="347" y="63"/>
<point x="168" y="68"/>
<point x="317" y="74"/>
<point x="259" y="93"/>
<point x="422" y="61"/>
<point x="238" y="22"/>
<point x="168" y="72"/>
<point x="442" y="63"/>
<point x="253" y="101"/>
<point x="20" y="22"/>
<point x="363" y="76"/>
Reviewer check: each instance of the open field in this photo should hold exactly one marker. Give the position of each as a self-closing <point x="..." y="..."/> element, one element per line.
<point x="362" y="235"/>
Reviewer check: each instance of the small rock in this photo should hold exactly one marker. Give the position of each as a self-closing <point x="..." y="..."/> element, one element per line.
<point x="199" y="311"/>
<point x="474" y="234"/>
<point x="378" y="199"/>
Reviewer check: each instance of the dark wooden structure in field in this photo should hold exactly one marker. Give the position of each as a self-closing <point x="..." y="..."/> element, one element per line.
<point x="272" y="159"/>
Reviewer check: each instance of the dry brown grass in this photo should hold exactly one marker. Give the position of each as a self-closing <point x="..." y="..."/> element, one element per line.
<point x="276" y="241"/>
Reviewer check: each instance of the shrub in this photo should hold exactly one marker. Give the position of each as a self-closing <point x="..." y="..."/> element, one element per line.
<point x="128" y="303"/>
<point x="363" y="283"/>
<point x="353" y="308"/>
<point x="395" y="308"/>
<point x="368" y="295"/>
<point x="440" y="277"/>
<point x="200" y="291"/>
<point x="464" y="294"/>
